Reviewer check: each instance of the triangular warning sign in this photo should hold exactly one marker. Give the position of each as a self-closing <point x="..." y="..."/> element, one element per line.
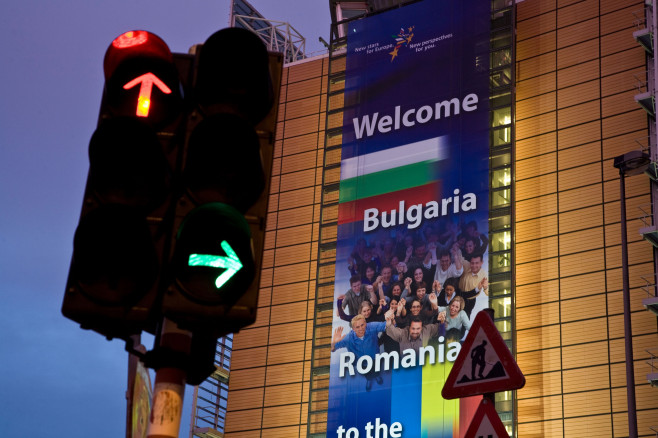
<point x="486" y="423"/>
<point x="484" y="363"/>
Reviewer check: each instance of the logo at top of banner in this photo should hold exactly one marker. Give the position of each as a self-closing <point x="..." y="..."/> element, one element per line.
<point x="403" y="38"/>
<point x="405" y="42"/>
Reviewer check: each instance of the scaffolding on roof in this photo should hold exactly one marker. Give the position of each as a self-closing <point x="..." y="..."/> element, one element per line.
<point x="279" y="36"/>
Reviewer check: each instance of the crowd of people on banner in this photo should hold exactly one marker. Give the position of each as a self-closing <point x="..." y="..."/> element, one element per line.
<point x="410" y="290"/>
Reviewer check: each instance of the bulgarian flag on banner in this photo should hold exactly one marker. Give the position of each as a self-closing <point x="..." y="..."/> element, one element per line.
<point x="383" y="179"/>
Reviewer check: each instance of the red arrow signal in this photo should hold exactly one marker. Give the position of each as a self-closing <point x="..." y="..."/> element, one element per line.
<point x="144" y="101"/>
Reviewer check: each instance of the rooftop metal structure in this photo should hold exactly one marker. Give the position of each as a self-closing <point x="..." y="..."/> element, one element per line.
<point x="279" y="36"/>
<point x="209" y="403"/>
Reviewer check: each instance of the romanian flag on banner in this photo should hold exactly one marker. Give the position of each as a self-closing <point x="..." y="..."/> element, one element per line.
<point x="382" y="179"/>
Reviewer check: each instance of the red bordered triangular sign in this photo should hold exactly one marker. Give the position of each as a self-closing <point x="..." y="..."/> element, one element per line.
<point x="486" y="423"/>
<point x="484" y="363"/>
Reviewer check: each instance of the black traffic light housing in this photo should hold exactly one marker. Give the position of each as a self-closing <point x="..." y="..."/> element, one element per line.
<point x="122" y="237"/>
<point x="173" y="217"/>
<point x="225" y="185"/>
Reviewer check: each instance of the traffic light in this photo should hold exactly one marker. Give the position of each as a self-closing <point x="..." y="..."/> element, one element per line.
<point x="218" y="234"/>
<point x="121" y="239"/>
<point x="173" y="217"/>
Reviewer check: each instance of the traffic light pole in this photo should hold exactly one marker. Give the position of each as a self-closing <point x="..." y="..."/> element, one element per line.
<point x="133" y="359"/>
<point x="169" y="388"/>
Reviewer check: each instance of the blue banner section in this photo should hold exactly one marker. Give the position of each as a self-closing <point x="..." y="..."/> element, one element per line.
<point x="407" y="409"/>
<point x="411" y="260"/>
<point x="413" y="57"/>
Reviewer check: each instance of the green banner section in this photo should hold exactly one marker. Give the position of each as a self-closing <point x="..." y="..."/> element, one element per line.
<point x="387" y="181"/>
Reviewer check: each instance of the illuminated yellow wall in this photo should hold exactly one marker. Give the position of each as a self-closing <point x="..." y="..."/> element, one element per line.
<point x="576" y="69"/>
<point x="577" y="64"/>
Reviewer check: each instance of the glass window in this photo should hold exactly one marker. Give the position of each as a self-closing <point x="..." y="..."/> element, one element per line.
<point x="500" y="160"/>
<point x="501" y="19"/>
<point x="501" y="116"/>
<point x="501" y="263"/>
<point x="501" y="39"/>
<point x="347" y="10"/>
<point x="499" y="4"/>
<point x="500" y="223"/>
<point x="500" y="58"/>
<point x="500" y="78"/>
<point x="504" y="401"/>
<point x="501" y="137"/>
<point x="501" y="178"/>
<point x="501" y="241"/>
<point x="501" y="198"/>
<point x="504" y="326"/>
<point x="502" y="309"/>
<point x="501" y="99"/>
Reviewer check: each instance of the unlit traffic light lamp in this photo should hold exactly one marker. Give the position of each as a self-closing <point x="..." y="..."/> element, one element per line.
<point x="127" y="165"/>
<point x="114" y="261"/>
<point x="224" y="162"/>
<point x="233" y="75"/>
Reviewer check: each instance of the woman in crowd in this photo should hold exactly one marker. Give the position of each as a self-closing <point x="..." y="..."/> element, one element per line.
<point x="416" y="308"/>
<point x="370" y="274"/>
<point x="456" y="318"/>
<point x="470" y="247"/>
<point x="411" y="284"/>
<point x="390" y="344"/>
<point x="365" y="309"/>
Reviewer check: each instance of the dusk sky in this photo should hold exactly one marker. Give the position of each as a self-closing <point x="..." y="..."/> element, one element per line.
<point x="55" y="378"/>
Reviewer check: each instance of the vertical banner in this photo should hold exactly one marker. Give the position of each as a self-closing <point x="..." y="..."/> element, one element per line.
<point x="412" y="246"/>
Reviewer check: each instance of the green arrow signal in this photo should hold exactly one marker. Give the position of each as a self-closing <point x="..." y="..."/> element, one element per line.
<point x="231" y="263"/>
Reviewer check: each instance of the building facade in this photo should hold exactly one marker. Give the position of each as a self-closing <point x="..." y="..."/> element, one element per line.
<point x="563" y="79"/>
<point x="577" y="71"/>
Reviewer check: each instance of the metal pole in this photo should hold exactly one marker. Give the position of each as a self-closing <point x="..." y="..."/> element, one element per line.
<point x="491" y="396"/>
<point x="130" y="392"/>
<point x="628" y="335"/>
<point x="195" y="400"/>
<point x="169" y="388"/>
<point x="653" y="141"/>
